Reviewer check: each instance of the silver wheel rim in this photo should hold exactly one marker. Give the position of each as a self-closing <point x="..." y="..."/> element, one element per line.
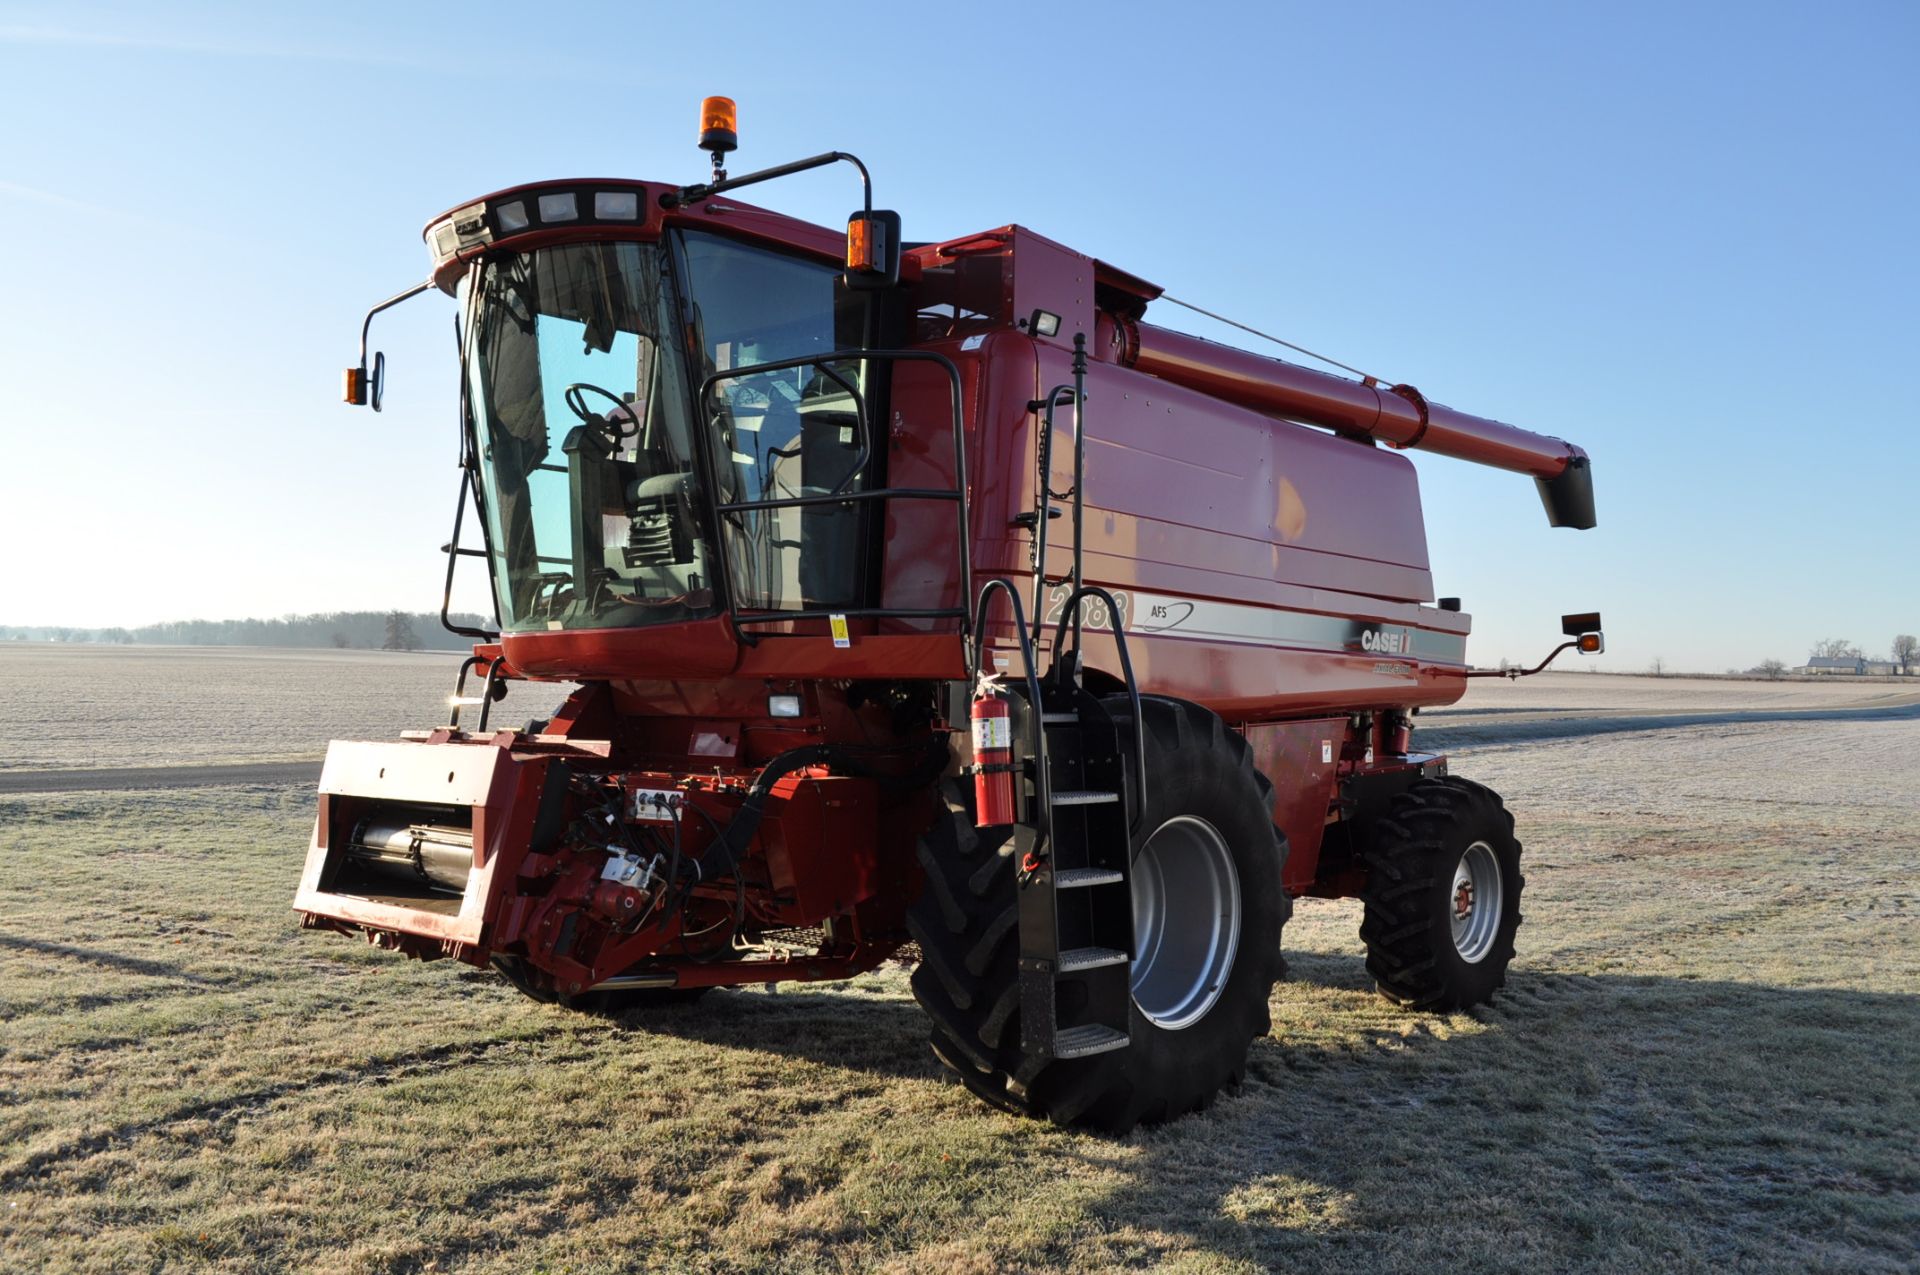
<point x="1186" y="921"/>
<point x="1475" y="902"/>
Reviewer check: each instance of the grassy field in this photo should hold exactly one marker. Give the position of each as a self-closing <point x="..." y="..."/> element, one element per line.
<point x="1707" y="1058"/>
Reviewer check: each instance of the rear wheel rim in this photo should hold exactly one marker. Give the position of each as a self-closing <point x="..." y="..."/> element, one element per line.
<point x="1475" y="902"/>
<point x="1186" y="921"/>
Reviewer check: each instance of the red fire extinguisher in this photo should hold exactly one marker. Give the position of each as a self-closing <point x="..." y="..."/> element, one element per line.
<point x="992" y="757"/>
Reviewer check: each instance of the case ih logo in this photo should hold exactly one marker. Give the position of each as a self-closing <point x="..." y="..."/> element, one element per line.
<point x="1384" y="641"/>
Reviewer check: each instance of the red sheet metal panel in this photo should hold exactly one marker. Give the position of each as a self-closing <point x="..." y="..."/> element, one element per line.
<point x="1175" y="476"/>
<point x="359" y="778"/>
<point x="1301" y="758"/>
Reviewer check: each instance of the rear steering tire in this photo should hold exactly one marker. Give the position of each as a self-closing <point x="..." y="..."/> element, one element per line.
<point x="1209" y="908"/>
<point x="1442" y="896"/>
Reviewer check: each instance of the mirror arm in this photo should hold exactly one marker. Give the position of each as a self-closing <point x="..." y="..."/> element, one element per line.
<point x="366" y="326"/>
<point x="1513" y="673"/>
<point x="693" y="194"/>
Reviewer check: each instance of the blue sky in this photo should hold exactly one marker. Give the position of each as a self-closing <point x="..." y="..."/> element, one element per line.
<point x="1679" y="236"/>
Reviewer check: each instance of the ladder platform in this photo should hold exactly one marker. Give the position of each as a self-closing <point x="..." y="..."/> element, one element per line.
<point x="1076" y="959"/>
<point x="1085" y="798"/>
<point x="1081" y="878"/>
<point x="1094" y="1038"/>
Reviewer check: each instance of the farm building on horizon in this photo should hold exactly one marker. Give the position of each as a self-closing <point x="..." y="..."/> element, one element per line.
<point x="1848" y="666"/>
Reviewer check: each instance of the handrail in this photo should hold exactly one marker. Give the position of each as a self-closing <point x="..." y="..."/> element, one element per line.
<point x="859" y="406"/>
<point x="1043" y="511"/>
<point x="993" y="239"/>
<point x="1079" y="483"/>
<point x="1036" y="710"/>
<point x="1071" y="608"/>
<point x="454" y="553"/>
<point x="838" y="498"/>
<point x="958" y="493"/>
<point x="486" y="699"/>
<point x="854" y="613"/>
<point x="468" y="487"/>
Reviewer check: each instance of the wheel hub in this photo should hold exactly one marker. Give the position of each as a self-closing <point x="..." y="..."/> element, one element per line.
<point x="1476" y="902"/>
<point x="1186" y="921"/>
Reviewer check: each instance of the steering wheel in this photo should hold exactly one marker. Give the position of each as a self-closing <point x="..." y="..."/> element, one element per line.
<point x="576" y="400"/>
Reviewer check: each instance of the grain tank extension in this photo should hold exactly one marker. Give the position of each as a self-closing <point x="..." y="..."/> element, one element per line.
<point x="923" y="598"/>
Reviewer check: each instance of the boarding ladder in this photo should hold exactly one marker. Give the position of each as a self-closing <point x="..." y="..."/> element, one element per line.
<point x="1080" y="783"/>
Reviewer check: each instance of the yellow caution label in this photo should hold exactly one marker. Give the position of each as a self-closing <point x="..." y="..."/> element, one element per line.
<point x="838" y="623"/>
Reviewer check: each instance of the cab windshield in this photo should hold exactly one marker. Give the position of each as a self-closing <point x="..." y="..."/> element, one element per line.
<point x="581" y="402"/>
<point x="581" y="424"/>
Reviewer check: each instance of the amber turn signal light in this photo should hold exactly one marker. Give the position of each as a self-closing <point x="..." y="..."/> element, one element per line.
<point x="354" y="387"/>
<point x="873" y="249"/>
<point x="1591" y="644"/>
<point x="860" y="255"/>
<point x="719" y="130"/>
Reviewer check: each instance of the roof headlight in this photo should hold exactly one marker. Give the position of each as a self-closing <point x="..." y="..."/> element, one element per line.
<point x="616" y="205"/>
<point x="458" y="231"/>
<point x="511" y="216"/>
<point x="443" y="241"/>
<point x="479" y="224"/>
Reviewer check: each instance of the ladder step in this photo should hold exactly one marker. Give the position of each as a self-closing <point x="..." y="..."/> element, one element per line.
<point x="1094" y="1038"/>
<point x="1075" y="959"/>
<point x="1085" y="798"/>
<point x="1060" y="719"/>
<point x="464" y="700"/>
<point x="1080" y="878"/>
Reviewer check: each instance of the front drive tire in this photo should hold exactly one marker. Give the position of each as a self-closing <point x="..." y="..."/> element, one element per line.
<point x="1442" y="896"/>
<point x="1208" y="814"/>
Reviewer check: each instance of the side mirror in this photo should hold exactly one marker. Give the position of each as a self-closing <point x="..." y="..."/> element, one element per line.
<point x="873" y="250"/>
<point x="1584" y="629"/>
<point x="362" y="390"/>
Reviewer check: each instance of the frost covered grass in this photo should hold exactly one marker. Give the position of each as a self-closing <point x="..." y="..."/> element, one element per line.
<point x="79" y="705"/>
<point x="1707" y="1057"/>
<point x="118" y="706"/>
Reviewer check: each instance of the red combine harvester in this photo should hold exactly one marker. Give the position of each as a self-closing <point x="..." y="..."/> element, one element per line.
<point x="923" y="593"/>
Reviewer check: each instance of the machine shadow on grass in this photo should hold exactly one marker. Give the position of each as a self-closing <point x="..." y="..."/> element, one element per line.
<point x="107" y="960"/>
<point x="826" y="1024"/>
<point x="1635" y="1121"/>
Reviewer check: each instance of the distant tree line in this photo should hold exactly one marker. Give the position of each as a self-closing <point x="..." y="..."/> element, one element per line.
<point x="363" y="630"/>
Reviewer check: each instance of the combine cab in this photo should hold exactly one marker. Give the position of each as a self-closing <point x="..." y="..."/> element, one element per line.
<point x="924" y="594"/>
